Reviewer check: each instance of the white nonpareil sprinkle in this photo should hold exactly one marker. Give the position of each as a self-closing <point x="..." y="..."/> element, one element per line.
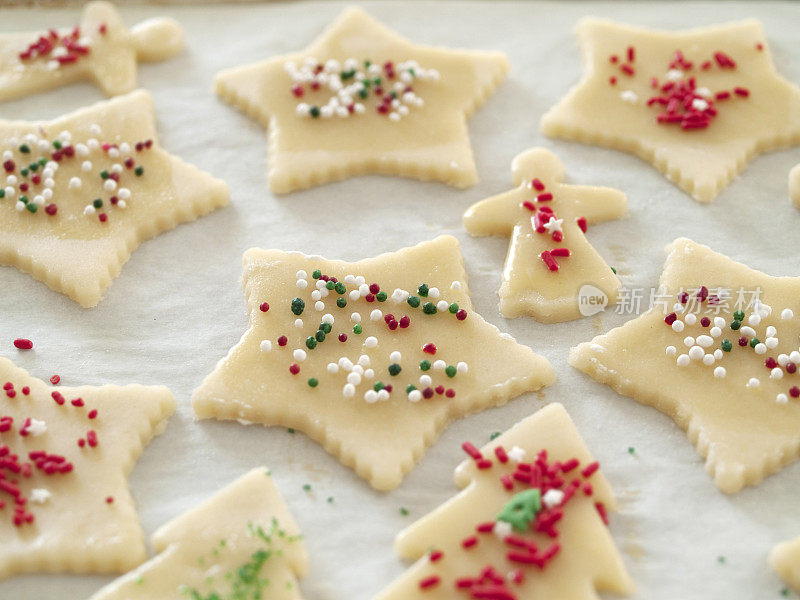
<point x="683" y="360"/>
<point x="696" y="353"/>
<point x="371" y="342"/>
<point x="771" y="331"/>
<point x="771" y="343"/>
<point x="302" y="284"/>
<point x="718" y="354"/>
<point x="36" y="427"/>
<point x="719" y="322"/>
<point x="345" y="363"/>
<point x="753" y="383"/>
<point x="783" y="359"/>
<point x="383" y="395"/>
<point x="754" y="320"/>
<point x="298" y="323"/>
<point x="299" y="355"/>
<point x="375" y="315"/>
<point x="86" y="166"/>
<point x="89" y="210"/>
<point x="371" y="396"/>
<point x="677" y="326"/>
<point x="671" y="350"/>
<point x="715" y="332"/>
<point x="40" y="495"/>
<point x="794" y="356"/>
<point x="415" y="395"/>
<point x="395" y="357"/>
<point x="502" y="529"/>
<point x="688" y="341"/>
<point x="442" y="305"/>
<point x="358" y="369"/>
<point x="124" y="194"/>
<point x="75" y="183"/>
<point x="333" y="368"/>
<point x="363" y="360"/>
<point x="399" y="296"/>
<point x="369" y="374"/>
<point x="319" y="305"/>
<point x="354" y="295"/>
<point x="354" y="378"/>
<point x="433" y="293"/>
<point x="328" y="318"/>
<point x="439" y="365"/>
<point x="748" y="331"/>
<point x="319" y="284"/>
<point x="462" y="367"/>
<point x="456" y="285"/>
<point x="690" y="319"/>
<point x="516" y="454"/>
<point x="355" y="317"/>
<point x="776" y="373"/>
<point x="349" y="390"/>
<point x="705" y="341"/>
<point x="720" y="372"/>
<point x="265" y="345"/>
<point x="301" y="274"/>
<point x="425" y="380"/>
<point x="553" y="498"/>
<point x="787" y="314"/>
<point x="761" y="348"/>
<point x="709" y="360"/>
<point x="629" y="96"/>
<point x="782" y="399"/>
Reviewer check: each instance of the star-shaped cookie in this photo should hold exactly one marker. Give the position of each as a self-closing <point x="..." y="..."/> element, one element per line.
<point x="549" y="259"/>
<point x="100" y="49"/>
<point x="242" y="543"/>
<point x="79" y="194"/>
<point x="65" y="455"/>
<point x="785" y="561"/>
<point x="362" y="99"/>
<point x="372" y="359"/>
<point x="794" y="185"/>
<point x="697" y="104"/>
<point x="527" y="525"/>
<point x="718" y="352"/>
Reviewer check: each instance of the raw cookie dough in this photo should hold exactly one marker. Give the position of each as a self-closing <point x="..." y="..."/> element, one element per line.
<point x="372" y="359"/>
<point x="362" y="99"/>
<point x="718" y="352"/>
<point x="550" y="268"/>
<point x="241" y="544"/>
<point x="100" y="49"/>
<point x="528" y="525"/>
<point x="794" y="185"/>
<point x="785" y="560"/>
<point x="697" y="104"/>
<point x="79" y="194"/>
<point x="65" y="456"/>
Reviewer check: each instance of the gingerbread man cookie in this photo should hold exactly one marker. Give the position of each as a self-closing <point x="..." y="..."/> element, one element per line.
<point x="241" y="544"/>
<point x="362" y="99"/>
<point x="719" y="354"/>
<point x="529" y="523"/>
<point x="80" y="193"/>
<point x="549" y="259"/>
<point x="100" y="49"/>
<point x="372" y="359"/>
<point x="65" y="455"/>
<point x="697" y="104"/>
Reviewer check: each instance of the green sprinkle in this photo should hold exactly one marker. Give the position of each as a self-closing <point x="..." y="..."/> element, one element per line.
<point x="381" y="296"/>
<point x="522" y="509"/>
<point x="367" y="63"/>
<point x="24" y="172"/>
<point x="631" y="450"/>
<point x="306" y="487"/>
<point x="404" y="511"/>
<point x="298" y="306"/>
<point x="320" y="336"/>
<point x="313" y="382"/>
<point x="34" y="166"/>
<point x="739" y="315"/>
<point x="614" y="270"/>
<point x="357" y="328"/>
<point x="450" y="371"/>
<point x="32" y="208"/>
<point x="330" y="499"/>
<point x="340" y="287"/>
<point x="139" y="171"/>
<point x="425" y="364"/>
<point x="25" y="149"/>
<point x="393" y="94"/>
<point x="311" y="342"/>
<point x="453" y="308"/>
<point x="42" y="161"/>
<point x="23" y="199"/>
<point x="410" y="388"/>
<point x="57" y="144"/>
<point x="362" y="93"/>
<point x="290" y="430"/>
<point x="394" y="369"/>
<point x="326" y="327"/>
<point x="378" y="386"/>
<point x="785" y="592"/>
<point x="104" y="174"/>
<point x="494" y="435"/>
<point x="97" y="203"/>
<point x="2" y="193"/>
<point x="317" y="274"/>
<point x="735" y="325"/>
<point x="726" y="345"/>
<point x="721" y="560"/>
<point x="754" y="342"/>
<point x="314" y="111"/>
<point x="429" y="308"/>
<point x="377" y="81"/>
<point x="348" y="74"/>
<point x="413" y="301"/>
<point x="423" y="290"/>
<point x="329" y="285"/>
<point x="341" y="302"/>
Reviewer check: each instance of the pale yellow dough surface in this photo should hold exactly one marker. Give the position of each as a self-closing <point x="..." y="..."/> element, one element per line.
<point x="198" y="549"/>
<point x="785" y="560"/>
<point x="701" y="162"/>
<point x="430" y="143"/>
<point x="382" y="440"/>
<point x="529" y="287"/>
<point x="743" y="432"/>
<point x="76" y="530"/>
<point x="111" y="62"/>
<point x="794" y="185"/>
<point x="588" y="562"/>
<point x="75" y="254"/>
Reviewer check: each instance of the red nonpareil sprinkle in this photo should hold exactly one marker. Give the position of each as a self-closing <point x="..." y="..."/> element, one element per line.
<point x="791" y="368"/>
<point x="294" y="368"/>
<point x="92" y="414"/>
<point x="439" y="389"/>
<point x="705" y="321"/>
<point x="743" y="341"/>
<point x="471" y="450"/>
<point x="429" y="582"/>
<point x="23" y="344"/>
<point x="103" y="29"/>
<point x="507" y="482"/>
<point x="612" y="80"/>
<point x="449" y="393"/>
<point x="282" y="341"/>
<point x="374" y="288"/>
<point x="298" y="90"/>
<point x="702" y="293"/>
<point x="51" y="209"/>
<point x="461" y="314"/>
<point x="759" y="46"/>
<point x="771" y="363"/>
<point x="342" y="337"/>
<point x="427" y="393"/>
<point x="110" y="500"/>
<point x="103" y="217"/>
<point x="613" y="59"/>
<point x="794" y="392"/>
<point x="405" y="321"/>
<point x="264" y="307"/>
<point x="429" y="349"/>
<point x="582" y="223"/>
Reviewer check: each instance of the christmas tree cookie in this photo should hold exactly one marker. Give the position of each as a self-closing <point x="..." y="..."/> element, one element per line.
<point x="371" y="359"/>
<point x="549" y="259"/>
<point x="785" y="560"/>
<point x="65" y="455"/>
<point x="794" y="185"/>
<point x="242" y="544"/>
<point x="529" y="523"/>
<point x="362" y="99"/>
<point x="697" y="104"/>
<point x="718" y="352"/>
<point x="79" y="194"/>
<point x="100" y="49"/>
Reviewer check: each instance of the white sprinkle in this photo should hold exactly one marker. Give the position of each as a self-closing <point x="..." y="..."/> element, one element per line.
<point x="371" y="396"/>
<point x="349" y="390"/>
<point x="75" y="183"/>
<point x="688" y="341"/>
<point x="699" y="104"/>
<point x="754" y="320"/>
<point x="299" y="355"/>
<point x="690" y="319"/>
<point x="771" y="343"/>
<point x="415" y="395"/>
<point x="328" y="318"/>
<point x="771" y="331"/>
<point x="345" y="363"/>
<point x="462" y="367"/>
<point x="787" y="314"/>
<point x="89" y="210"/>
<point x="358" y="369"/>
<point x="363" y="360"/>
<point x="425" y="380"/>
<point x="783" y="359"/>
<point x="383" y="395"/>
<point x="355" y="317"/>
<point x="748" y="331"/>
<point x="781" y="398"/>
<point x="720" y="372"/>
<point x="683" y="360"/>
<point x="709" y="360"/>
<point x="705" y="341"/>
<point x="592" y="347"/>
<point x="333" y="368"/>
<point x="319" y="305"/>
<point x="395" y="357"/>
<point x="776" y="373"/>
<point x="719" y="322"/>
<point x="502" y="529"/>
<point x="302" y="284"/>
<point x="718" y="354"/>
<point x="553" y="498"/>
<point x="265" y="346"/>
<point x="433" y="293"/>
<point x="375" y="315"/>
<point x="399" y="296"/>
<point x="353" y="378"/>
<point x="761" y="348"/>
<point x="696" y="353"/>
<point x="301" y="274"/>
<point x="124" y="194"/>
<point x="677" y="326"/>
<point x="753" y="383"/>
<point x="674" y="75"/>
<point x="369" y="374"/>
<point x="715" y="332"/>
<point x="298" y="323"/>
<point x="442" y="305"/>
<point x="40" y="495"/>
<point x="456" y="285"/>
<point x="671" y="350"/>
<point x="94" y="129"/>
<point x="439" y="365"/>
<point x="794" y="356"/>
<point x="36" y="427"/>
<point x="371" y="342"/>
<point x="629" y="96"/>
<point x="320" y="284"/>
<point x="516" y="454"/>
<point x="86" y="166"/>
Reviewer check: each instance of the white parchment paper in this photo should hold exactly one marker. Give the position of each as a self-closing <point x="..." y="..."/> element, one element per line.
<point x="177" y="307"/>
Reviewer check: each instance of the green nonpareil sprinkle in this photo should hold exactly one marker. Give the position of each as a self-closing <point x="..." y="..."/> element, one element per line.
<point x="97" y="203"/>
<point x="104" y="174"/>
<point x="413" y="301"/>
<point x="326" y="327"/>
<point x="24" y="172"/>
<point x="362" y="93"/>
<point x="423" y="290"/>
<point x="314" y="111"/>
<point x="57" y="144"/>
<point x="290" y="430"/>
<point x="450" y="371"/>
<point x="404" y="511"/>
<point x="341" y="302"/>
<point x="32" y="208"/>
<point x="357" y="328"/>
<point x="378" y="386"/>
<point x="330" y="499"/>
<point x="381" y="296"/>
<point x="739" y="315"/>
<point x="340" y="287"/>
<point x="320" y="336"/>
<point x="298" y="305"/>
<point x="721" y="560"/>
<point x="394" y="369"/>
<point x="410" y="388"/>
<point x="311" y="342"/>
<point x="25" y="149"/>
<point x="429" y="308"/>
<point x="425" y="364"/>
<point x="34" y="166"/>
<point x="735" y="325"/>
<point x="453" y="308"/>
<point x="494" y="435"/>
<point x="754" y="342"/>
<point x="306" y="487"/>
<point x="139" y="171"/>
<point x="329" y="285"/>
<point x="726" y="345"/>
<point x="631" y="450"/>
<point x="2" y="193"/>
<point x="316" y="274"/>
<point x="42" y="161"/>
<point x="313" y="382"/>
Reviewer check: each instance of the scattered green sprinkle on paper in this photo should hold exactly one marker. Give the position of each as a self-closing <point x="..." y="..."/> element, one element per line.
<point x="631" y="450"/>
<point x="495" y="435"/>
<point x="721" y="560"/>
<point x="307" y="487"/>
<point x="404" y="511"/>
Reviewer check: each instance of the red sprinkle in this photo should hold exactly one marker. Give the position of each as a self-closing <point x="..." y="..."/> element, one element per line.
<point x="264" y="307"/>
<point x="429" y="349"/>
<point x="23" y="344"/>
<point x="55" y="380"/>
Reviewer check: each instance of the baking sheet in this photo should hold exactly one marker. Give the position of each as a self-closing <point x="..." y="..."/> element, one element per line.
<point x="177" y="307"/>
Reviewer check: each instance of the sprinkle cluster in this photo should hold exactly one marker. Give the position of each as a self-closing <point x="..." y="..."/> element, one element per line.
<point x="545" y="222"/>
<point x="17" y="474"/>
<point x="31" y="166"/>
<point x="354" y="83"/>
<point x="717" y="337"/>
<point x="678" y="97"/>
<point x="58" y="49"/>
<point x="356" y="373"/>
<point x="539" y="491"/>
